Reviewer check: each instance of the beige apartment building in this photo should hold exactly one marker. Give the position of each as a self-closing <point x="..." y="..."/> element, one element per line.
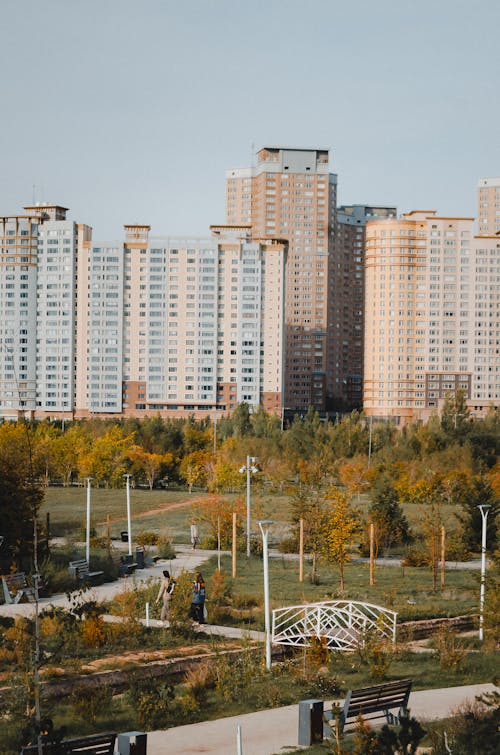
<point x="488" y="214"/>
<point x="289" y="193"/>
<point x="432" y="310"/>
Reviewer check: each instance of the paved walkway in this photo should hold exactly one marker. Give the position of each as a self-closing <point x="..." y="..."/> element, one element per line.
<point x="186" y="559"/>
<point x="268" y="732"/>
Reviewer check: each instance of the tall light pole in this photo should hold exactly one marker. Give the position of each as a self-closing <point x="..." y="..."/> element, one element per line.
<point x="249" y="468"/>
<point x="264" y="528"/>
<point x="484" y="508"/>
<point x="87" y="541"/>
<point x="370" y="440"/>
<point x="129" y="523"/>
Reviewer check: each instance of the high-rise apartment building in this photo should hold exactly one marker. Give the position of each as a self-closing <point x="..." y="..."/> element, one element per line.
<point x="144" y="326"/>
<point x="346" y="293"/>
<point x="488" y="214"/>
<point x="291" y="194"/>
<point x="432" y="316"/>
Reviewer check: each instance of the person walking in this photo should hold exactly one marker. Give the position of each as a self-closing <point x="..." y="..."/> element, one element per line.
<point x="166" y="589"/>
<point x="197" y="611"/>
<point x="194" y="535"/>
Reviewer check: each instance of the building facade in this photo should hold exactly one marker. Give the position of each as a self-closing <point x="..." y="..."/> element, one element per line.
<point x="137" y="327"/>
<point x="432" y="316"/>
<point x="290" y="193"/>
<point x="488" y="213"/>
<point x="346" y="294"/>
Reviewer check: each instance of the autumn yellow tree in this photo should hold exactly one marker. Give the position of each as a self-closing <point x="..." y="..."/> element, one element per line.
<point x="68" y="449"/>
<point x="216" y="512"/>
<point x="340" y="528"/>
<point x="149" y="464"/>
<point x="193" y="469"/>
<point x="106" y="458"/>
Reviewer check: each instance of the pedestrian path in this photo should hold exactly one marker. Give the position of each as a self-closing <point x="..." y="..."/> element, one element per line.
<point x="269" y="732"/>
<point x="186" y="559"/>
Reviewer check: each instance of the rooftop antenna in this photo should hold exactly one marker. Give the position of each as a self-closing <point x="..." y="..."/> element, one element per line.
<point x="34" y="194"/>
<point x="252" y="149"/>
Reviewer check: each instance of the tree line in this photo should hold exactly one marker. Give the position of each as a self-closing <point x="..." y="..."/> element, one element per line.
<point x="451" y="459"/>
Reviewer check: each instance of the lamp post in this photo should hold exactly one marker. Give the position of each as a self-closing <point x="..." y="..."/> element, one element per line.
<point x="249" y="468"/>
<point x="129" y="523"/>
<point x="484" y="508"/>
<point x="370" y="441"/>
<point x="87" y="541"/>
<point x="264" y="528"/>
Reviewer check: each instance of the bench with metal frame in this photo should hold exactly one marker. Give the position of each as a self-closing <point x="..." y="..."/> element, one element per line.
<point x="79" y="569"/>
<point x="371" y="703"/>
<point x="15" y="588"/>
<point x="95" y="744"/>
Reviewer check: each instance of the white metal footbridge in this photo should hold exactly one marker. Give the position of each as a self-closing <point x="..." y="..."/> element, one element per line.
<point x="344" y="624"/>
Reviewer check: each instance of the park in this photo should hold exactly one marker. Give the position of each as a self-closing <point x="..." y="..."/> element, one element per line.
<point x="356" y="516"/>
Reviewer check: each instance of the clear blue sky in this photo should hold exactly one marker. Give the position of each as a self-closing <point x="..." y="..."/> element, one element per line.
<point x="132" y="110"/>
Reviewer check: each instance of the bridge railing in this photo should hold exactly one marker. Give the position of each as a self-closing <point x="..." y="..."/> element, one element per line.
<point x="344" y="624"/>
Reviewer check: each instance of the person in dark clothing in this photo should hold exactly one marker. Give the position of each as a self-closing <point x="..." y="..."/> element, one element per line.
<point x="198" y="603"/>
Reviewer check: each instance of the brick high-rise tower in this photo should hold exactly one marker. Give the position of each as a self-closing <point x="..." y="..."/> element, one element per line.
<point x="291" y="194"/>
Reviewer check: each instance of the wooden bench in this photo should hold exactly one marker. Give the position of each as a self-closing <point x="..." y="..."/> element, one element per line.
<point x="95" y="744"/>
<point x="124" y="569"/>
<point x="15" y="588"/>
<point x="79" y="569"/>
<point x="372" y="703"/>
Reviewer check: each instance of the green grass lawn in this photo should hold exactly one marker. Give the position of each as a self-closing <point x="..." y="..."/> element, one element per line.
<point x="163" y="511"/>
<point x="394" y="587"/>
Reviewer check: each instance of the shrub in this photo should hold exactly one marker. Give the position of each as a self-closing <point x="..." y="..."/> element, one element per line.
<point x="165" y="548"/>
<point x="89" y="703"/>
<point x="450" y="653"/>
<point x="147" y="538"/>
<point x="416" y="557"/>
<point x="473" y="730"/>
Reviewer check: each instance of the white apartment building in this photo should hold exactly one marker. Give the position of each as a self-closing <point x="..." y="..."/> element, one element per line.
<point x="144" y="326"/>
<point x="432" y="316"/>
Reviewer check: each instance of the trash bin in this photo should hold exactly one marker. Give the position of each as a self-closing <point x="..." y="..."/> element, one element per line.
<point x="124" y="536"/>
<point x="139" y="557"/>
<point x="132" y="743"/>
<point x="310" y="722"/>
<point x="128" y="558"/>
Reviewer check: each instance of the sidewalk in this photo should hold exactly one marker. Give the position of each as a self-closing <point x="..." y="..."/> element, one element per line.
<point x="269" y="732"/>
<point x="186" y="559"/>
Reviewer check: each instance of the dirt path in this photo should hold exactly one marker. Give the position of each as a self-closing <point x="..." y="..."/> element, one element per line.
<point x="151" y="512"/>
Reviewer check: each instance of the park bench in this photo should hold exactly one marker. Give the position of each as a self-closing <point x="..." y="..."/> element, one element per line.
<point x="372" y="703"/>
<point x="79" y="569"/>
<point x="95" y="744"/>
<point x="125" y="568"/>
<point x="15" y="588"/>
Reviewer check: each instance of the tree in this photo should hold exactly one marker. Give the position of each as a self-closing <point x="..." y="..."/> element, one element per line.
<point x="391" y="525"/>
<point x="215" y="512"/>
<point x="106" y="459"/>
<point x="481" y="493"/>
<point x="340" y="527"/>
<point x="149" y="464"/>
<point x="20" y="497"/>
<point x="193" y="469"/>
<point x="455" y="415"/>
<point x="68" y="449"/>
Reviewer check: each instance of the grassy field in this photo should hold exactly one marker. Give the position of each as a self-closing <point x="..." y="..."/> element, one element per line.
<point x="170" y="511"/>
<point x="407" y="591"/>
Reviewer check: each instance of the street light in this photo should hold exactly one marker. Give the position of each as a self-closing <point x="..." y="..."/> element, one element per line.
<point x="249" y="468"/>
<point x="129" y="524"/>
<point x="264" y="528"/>
<point x="87" y="542"/>
<point x="484" y="508"/>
